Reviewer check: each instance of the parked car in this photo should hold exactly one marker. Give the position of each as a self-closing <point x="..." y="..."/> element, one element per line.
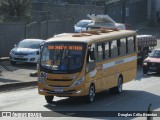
<point x="26" y="51"/>
<point x="152" y="62"/>
<point x="82" y="25"/>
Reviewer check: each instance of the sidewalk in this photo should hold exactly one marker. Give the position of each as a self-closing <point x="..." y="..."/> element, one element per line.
<point x="15" y="78"/>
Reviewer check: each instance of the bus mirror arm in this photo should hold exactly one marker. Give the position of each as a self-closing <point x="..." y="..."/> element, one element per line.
<point x="91" y="66"/>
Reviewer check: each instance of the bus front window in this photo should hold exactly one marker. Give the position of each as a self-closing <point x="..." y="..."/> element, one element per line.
<point x="66" y="57"/>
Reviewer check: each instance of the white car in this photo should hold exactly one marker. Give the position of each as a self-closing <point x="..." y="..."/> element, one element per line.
<point x="82" y="25"/>
<point x="26" y="51"/>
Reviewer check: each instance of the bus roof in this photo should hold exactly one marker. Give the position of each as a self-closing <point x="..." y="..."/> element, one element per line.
<point x="89" y="38"/>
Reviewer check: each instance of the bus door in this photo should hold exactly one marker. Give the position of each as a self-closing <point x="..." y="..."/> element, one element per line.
<point x="91" y="71"/>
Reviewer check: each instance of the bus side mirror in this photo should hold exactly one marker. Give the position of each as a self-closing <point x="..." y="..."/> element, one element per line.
<point x="90" y="66"/>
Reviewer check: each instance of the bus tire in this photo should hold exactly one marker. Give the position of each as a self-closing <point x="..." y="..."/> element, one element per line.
<point x="145" y="70"/>
<point x="91" y="95"/>
<point x="118" y="88"/>
<point x="49" y="99"/>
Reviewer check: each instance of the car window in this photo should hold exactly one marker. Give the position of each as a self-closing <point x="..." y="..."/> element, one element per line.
<point x="30" y="44"/>
<point x="155" y="54"/>
<point x="83" y="23"/>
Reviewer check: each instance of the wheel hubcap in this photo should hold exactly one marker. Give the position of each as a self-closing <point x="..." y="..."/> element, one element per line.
<point x="92" y="93"/>
<point x="120" y="85"/>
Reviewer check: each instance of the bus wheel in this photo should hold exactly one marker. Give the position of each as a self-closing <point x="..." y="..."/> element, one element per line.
<point x="49" y="99"/>
<point x="145" y="70"/>
<point x="91" y="95"/>
<point x="118" y="88"/>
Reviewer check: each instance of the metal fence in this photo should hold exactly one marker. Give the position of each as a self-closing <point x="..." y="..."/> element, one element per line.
<point x="127" y="11"/>
<point x="64" y="2"/>
<point x="12" y="33"/>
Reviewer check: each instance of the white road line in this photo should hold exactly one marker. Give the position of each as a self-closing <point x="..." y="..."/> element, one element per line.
<point x="116" y="101"/>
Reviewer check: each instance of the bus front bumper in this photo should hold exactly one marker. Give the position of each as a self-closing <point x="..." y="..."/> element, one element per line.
<point x="60" y="91"/>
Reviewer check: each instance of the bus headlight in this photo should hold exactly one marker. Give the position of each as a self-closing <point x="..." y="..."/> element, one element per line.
<point x="42" y="77"/>
<point x="78" y="81"/>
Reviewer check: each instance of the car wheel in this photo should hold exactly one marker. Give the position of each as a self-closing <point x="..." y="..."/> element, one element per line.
<point x="49" y="99"/>
<point x="91" y="94"/>
<point x="145" y="70"/>
<point x="13" y="62"/>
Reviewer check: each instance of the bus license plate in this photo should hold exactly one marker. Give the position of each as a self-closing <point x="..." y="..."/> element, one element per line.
<point x="59" y="90"/>
<point x="20" y="56"/>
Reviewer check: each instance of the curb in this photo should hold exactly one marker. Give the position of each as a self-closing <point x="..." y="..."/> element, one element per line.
<point x="14" y="86"/>
<point x="2" y="59"/>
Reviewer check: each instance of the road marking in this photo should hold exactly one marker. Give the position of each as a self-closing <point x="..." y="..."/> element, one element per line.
<point x="116" y="101"/>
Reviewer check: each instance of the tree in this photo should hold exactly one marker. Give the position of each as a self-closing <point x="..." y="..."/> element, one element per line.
<point x="15" y="8"/>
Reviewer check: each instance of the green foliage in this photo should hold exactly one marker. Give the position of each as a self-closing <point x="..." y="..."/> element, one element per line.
<point x="18" y="9"/>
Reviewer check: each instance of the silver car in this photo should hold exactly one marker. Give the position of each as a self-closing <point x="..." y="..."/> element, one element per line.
<point x="82" y="25"/>
<point x="26" y="51"/>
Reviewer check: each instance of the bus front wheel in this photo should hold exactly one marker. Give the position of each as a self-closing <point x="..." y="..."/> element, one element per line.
<point x="91" y="94"/>
<point x="49" y="99"/>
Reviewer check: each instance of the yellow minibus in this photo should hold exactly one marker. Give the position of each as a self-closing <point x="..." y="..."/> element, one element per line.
<point x="83" y="64"/>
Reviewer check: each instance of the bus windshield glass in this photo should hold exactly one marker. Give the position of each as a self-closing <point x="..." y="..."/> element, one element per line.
<point x="62" y="57"/>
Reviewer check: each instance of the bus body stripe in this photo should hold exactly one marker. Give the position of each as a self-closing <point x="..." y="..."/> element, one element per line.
<point x="121" y="61"/>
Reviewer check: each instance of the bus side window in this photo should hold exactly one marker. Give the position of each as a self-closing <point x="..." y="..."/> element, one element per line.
<point x="114" y="49"/>
<point x="131" y="45"/>
<point x="118" y="47"/>
<point x="91" y="54"/>
<point x="91" y="64"/>
<point x="99" y="52"/>
<point x="123" y="50"/>
<point x="106" y="48"/>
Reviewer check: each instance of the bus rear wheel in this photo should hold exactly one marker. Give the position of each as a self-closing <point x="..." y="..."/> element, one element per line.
<point x="49" y="99"/>
<point x="118" y="88"/>
<point x="91" y="95"/>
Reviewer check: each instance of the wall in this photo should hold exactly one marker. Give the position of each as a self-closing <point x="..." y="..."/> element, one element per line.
<point x="129" y="11"/>
<point x="68" y="11"/>
<point x="10" y="34"/>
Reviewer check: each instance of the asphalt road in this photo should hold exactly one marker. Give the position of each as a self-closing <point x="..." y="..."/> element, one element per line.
<point x="137" y="96"/>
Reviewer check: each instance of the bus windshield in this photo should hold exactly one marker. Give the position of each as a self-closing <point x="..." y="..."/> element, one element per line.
<point x="62" y="57"/>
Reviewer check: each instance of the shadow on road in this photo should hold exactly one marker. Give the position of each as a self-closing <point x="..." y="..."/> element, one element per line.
<point x="129" y="100"/>
<point x="8" y="67"/>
